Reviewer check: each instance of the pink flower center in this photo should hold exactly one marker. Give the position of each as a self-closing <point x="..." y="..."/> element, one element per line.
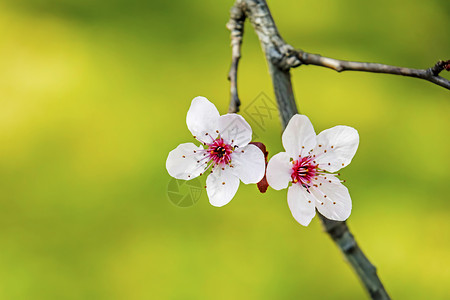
<point x="220" y="152"/>
<point x="303" y="170"/>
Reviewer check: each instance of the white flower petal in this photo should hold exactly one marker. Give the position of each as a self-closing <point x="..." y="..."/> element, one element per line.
<point x="248" y="164"/>
<point x="202" y="118"/>
<point x="279" y="170"/>
<point x="184" y="163"/>
<point x="221" y="186"/>
<point x="340" y="143"/>
<point x="337" y="205"/>
<point x="235" y="130"/>
<point x="299" y="136"/>
<point x="301" y="204"/>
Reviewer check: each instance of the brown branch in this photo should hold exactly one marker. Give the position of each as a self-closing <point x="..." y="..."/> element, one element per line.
<point x="366" y="271"/>
<point x="430" y="74"/>
<point x="280" y="58"/>
<point x="236" y="27"/>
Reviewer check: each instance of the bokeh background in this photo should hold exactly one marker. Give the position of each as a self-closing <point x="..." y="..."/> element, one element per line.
<point x="94" y="94"/>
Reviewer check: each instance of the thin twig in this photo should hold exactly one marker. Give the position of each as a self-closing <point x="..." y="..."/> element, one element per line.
<point x="280" y="58"/>
<point x="236" y="27"/>
<point x="430" y="74"/>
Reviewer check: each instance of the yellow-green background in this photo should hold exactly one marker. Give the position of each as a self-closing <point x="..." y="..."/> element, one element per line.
<point x="93" y="96"/>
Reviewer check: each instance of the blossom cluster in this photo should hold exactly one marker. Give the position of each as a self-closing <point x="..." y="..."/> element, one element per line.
<point x="307" y="168"/>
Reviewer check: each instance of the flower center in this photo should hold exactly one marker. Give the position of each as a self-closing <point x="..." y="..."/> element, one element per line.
<point x="303" y="170"/>
<point x="220" y="152"/>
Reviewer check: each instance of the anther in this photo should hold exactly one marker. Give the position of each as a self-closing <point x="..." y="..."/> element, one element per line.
<point x="223" y="168"/>
<point x="184" y="156"/>
<point x="324" y="196"/>
<point x="223" y="183"/>
<point x="324" y="151"/>
<point x="217" y="131"/>
<point x="334" y="202"/>
<point x="325" y="178"/>
<point x="189" y="176"/>
<point x="309" y="201"/>
<point x="342" y="164"/>
<point x="339" y="174"/>
<point x="195" y="151"/>
<point x="320" y="145"/>
<point x="321" y="203"/>
<point x="303" y="147"/>
<point x="206" y="133"/>
<point x="205" y="186"/>
<point x="198" y="161"/>
<point x="242" y="151"/>
<point x="320" y="183"/>
<point x="332" y="147"/>
<point x="329" y="181"/>
<point x="194" y="136"/>
<point x="329" y="164"/>
<point x="201" y="174"/>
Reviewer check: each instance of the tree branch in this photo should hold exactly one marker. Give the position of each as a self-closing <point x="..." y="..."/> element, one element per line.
<point x="236" y="27"/>
<point x="280" y="58"/>
<point x="430" y="74"/>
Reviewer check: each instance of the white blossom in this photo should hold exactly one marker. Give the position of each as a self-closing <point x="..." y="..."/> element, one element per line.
<point x="309" y="164"/>
<point x="224" y="148"/>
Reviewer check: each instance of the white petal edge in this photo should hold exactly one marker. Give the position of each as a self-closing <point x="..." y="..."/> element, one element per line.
<point x="221" y="186"/>
<point x="235" y="130"/>
<point x="183" y="163"/>
<point x="340" y="143"/>
<point x="335" y="193"/>
<point x="299" y="136"/>
<point x="202" y="117"/>
<point x="279" y="170"/>
<point x="301" y="204"/>
<point x="248" y="164"/>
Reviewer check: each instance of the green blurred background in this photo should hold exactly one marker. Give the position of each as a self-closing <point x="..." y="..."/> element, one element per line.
<point x="94" y="95"/>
